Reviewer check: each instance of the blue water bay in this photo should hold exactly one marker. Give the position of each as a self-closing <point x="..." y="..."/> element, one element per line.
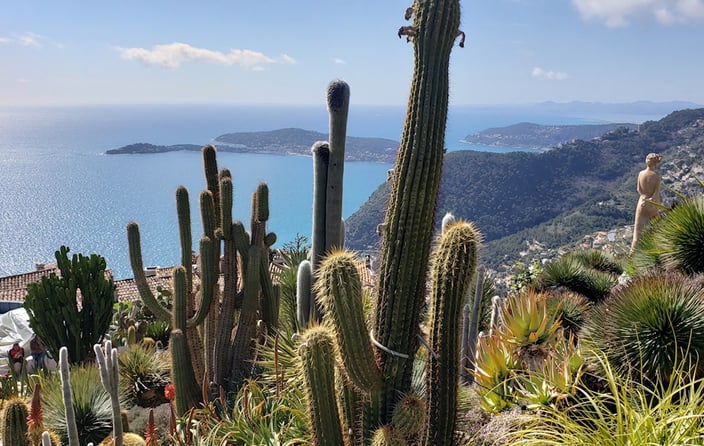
<point x="58" y="188"/>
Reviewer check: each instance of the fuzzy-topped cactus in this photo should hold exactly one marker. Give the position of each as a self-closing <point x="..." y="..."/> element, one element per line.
<point x="328" y="227"/>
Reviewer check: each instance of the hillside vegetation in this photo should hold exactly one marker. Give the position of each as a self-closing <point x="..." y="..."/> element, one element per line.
<point x="554" y="197"/>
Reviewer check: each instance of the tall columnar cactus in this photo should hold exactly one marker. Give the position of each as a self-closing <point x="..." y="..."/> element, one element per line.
<point x="14" y="423"/>
<point x="217" y="356"/>
<point x="328" y="170"/>
<point x="408" y="227"/>
<point x="71" y="426"/>
<point x="470" y="329"/>
<point x="317" y="352"/>
<point x="453" y="266"/>
<point x="408" y="230"/>
<point x="110" y="377"/>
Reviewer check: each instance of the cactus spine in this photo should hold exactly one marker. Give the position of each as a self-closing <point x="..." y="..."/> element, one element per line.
<point x="109" y="377"/>
<point x="453" y="266"/>
<point x="317" y="353"/>
<point x="14" y="423"/>
<point x="225" y="360"/>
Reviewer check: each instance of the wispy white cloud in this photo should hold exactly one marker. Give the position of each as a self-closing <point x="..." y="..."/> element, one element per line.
<point x="618" y="13"/>
<point x="545" y="75"/>
<point x="285" y="58"/>
<point x="24" y="39"/>
<point x="172" y="55"/>
<point x="338" y="61"/>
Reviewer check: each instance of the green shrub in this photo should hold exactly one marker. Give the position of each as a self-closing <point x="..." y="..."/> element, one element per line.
<point x="570" y="272"/>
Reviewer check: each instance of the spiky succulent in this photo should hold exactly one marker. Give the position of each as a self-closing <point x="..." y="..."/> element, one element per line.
<point x="651" y="325"/>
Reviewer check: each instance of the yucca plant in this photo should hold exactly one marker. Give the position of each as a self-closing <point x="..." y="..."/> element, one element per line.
<point x="649" y="325"/>
<point x="91" y="404"/>
<point x="572" y="273"/>
<point x="626" y="414"/>
<point x="569" y="307"/>
<point x="598" y="260"/>
<point x="680" y="237"/>
<point x="143" y="376"/>
<point x="646" y="256"/>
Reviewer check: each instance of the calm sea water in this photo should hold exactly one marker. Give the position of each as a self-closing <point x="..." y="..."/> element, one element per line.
<point x="58" y="188"/>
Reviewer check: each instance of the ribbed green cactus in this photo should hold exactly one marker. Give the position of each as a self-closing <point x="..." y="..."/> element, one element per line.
<point x="215" y="355"/>
<point x="110" y="377"/>
<point x="71" y="426"/>
<point x="339" y="291"/>
<point x="317" y="352"/>
<point x="328" y="170"/>
<point x="14" y="423"/>
<point x="454" y="263"/>
<point x="408" y="227"/>
<point x="409" y="415"/>
<point x="388" y="435"/>
<point x="407" y="233"/>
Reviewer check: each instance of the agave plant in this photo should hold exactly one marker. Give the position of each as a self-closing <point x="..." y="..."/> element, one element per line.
<point x="525" y="320"/>
<point x="649" y="325"/>
<point x="598" y="260"/>
<point x="494" y="364"/>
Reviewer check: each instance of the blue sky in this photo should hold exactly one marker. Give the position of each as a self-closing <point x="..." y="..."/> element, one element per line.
<point x="285" y="52"/>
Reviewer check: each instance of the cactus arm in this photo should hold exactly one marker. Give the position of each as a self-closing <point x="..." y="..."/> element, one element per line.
<point x="226" y="319"/>
<point x="321" y="160"/>
<point x="473" y="333"/>
<point x="14" y="423"/>
<point x="338" y="99"/>
<point x="304" y="299"/>
<point x="208" y="281"/>
<point x="182" y="374"/>
<point x="339" y="290"/>
<point x="68" y="398"/>
<point x="317" y="355"/>
<point x="183" y="213"/>
<point x="410" y="216"/>
<point x="212" y="178"/>
<point x="247" y="325"/>
<point x="140" y="279"/>
<point x="109" y="377"/>
<point x="453" y="266"/>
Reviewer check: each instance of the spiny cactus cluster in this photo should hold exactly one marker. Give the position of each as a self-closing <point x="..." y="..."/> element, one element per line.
<point x="217" y="356"/>
<point x="378" y="363"/>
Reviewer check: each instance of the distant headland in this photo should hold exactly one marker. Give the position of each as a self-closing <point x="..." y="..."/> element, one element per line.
<point x="289" y="141"/>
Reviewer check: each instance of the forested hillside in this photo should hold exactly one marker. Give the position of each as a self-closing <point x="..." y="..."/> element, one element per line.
<point x="553" y="197"/>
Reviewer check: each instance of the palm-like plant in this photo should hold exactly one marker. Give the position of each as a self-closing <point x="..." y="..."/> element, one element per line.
<point x="598" y="260"/>
<point x="650" y="325"/>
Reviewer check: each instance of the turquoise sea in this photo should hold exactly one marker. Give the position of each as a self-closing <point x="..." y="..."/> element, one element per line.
<point x="58" y="188"/>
